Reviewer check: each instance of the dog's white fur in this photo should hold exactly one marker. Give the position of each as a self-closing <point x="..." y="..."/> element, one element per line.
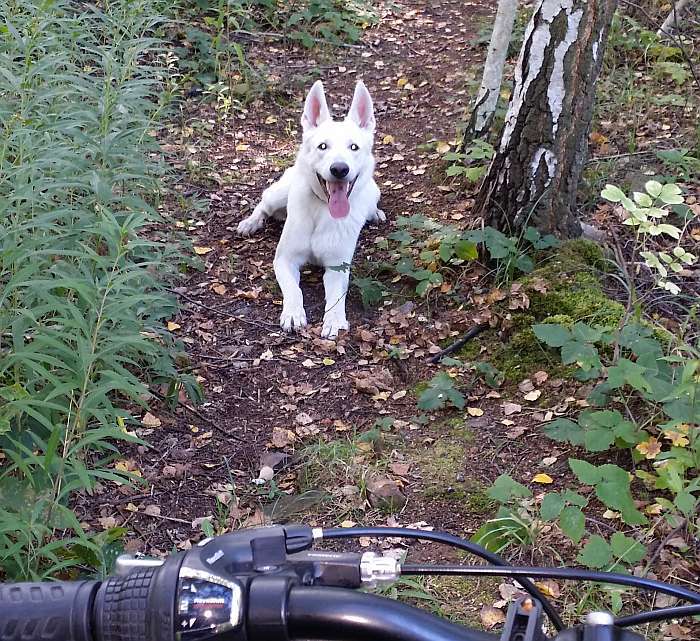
<point x="311" y="234"/>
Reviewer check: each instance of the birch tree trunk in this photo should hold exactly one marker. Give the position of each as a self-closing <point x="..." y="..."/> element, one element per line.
<point x="534" y="174"/>
<point x="673" y="18"/>
<point x="487" y="98"/>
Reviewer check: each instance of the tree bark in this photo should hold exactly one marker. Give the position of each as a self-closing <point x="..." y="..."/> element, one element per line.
<point x="673" y="18"/>
<point x="534" y="175"/>
<point x="487" y="98"/>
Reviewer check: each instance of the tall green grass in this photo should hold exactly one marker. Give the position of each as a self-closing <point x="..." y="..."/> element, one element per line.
<point x="81" y="299"/>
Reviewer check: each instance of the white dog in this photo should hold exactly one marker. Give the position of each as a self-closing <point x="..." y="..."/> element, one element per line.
<point x="328" y="194"/>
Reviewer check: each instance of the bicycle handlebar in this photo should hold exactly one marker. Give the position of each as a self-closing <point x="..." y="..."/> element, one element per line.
<point x="261" y="584"/>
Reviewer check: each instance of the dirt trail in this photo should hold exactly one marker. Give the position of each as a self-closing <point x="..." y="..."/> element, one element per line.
<point x="259" y="382"/>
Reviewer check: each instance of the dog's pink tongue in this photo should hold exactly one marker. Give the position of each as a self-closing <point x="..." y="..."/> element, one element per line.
<point x="338" y="203"/>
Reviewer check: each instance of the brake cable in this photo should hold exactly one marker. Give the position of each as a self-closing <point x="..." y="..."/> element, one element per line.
<point x="445" y="539"/>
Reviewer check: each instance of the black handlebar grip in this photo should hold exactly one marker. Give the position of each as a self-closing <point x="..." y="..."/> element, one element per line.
<point x="60" y="611"/>
<point x="139" y="606"/>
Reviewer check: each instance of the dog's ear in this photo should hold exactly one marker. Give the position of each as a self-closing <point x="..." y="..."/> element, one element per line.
<point x="362" y="110"/>
<point x="315" y="108"/>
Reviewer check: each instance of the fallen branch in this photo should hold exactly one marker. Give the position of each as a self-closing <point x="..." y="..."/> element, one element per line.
<point x="474" y="331"/>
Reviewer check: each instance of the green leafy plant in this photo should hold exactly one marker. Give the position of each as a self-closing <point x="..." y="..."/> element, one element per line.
<point x="440" y="392"/>
<point x="646" y="211"/>
<point x="468" y="163"/>
<point x="81" y="306"/>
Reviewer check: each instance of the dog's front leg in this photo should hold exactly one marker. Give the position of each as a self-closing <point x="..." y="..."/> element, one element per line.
<point x="274" y="199"/>
<point x="335" y="282"/>
<point x="287" y="274"/>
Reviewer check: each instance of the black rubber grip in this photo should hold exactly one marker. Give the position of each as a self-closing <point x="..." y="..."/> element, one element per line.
<point x="122" y="607"/>
<point x="58" y="611"/>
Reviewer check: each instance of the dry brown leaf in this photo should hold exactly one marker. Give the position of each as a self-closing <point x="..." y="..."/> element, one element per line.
<point x="149" y="420"/>
<point x="491" y="617"/>
<point x="511" y="408"/>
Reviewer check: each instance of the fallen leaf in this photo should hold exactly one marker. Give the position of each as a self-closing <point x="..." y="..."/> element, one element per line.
<point x="475" y="411"/>
<point x="347" y="524"/>
<point x="152" y="510"/>
<point x="304" y="419"/>
<point x="200" y="251"/>
<point x="219" y="289"/>
<point x="526" y="385"/>
<point x="173" y="326"/>
<point x="650" y="449"/>
<point x="149" y="420"/>
<point x="401" y="469"/>
<point x="107" y="522"/>
<point x="328" y="361"/>
<point x="491" y="617"/>
<point x="540" y="377"/>
<point x="533" y="395"/>
<point x="282" y="437"/>
<point x="442" y="147"/>
<point x="542" y="478"/>
<point x="511" y="408"/>
<point x="549" y="587"/>
<point x="388" y="140"/>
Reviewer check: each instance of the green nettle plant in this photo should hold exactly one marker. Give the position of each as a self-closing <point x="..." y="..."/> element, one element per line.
<point x="81" y="308"/>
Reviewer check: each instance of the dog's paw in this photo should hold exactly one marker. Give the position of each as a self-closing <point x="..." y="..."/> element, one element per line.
<point x="251" y="224"/>
<point x="293" y="318"/>
<point x="331" y="327"/>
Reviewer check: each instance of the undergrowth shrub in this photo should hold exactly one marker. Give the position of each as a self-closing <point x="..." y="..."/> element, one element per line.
<point x="81" y="305"/>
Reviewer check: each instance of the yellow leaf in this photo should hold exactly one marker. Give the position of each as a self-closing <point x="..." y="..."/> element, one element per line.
<point x="388" y="140"/>
<point x="242" y="147"/>
<point x="542" y="478"/>
<point x="678" y="439"/>
<point x="270" y="120"/>
<point x="348" y="524"/>
<point x="442" y="147"/>
<point x="131" y="507"/>
<point x="402" y="81"/>
<point x="122" y="466"/>
<point x="475" y="411"/>
<point x="650" y="449"/>
<point x="173" y="326"/>
<point x="200" y="251"/>
<point x="328" y="361"/>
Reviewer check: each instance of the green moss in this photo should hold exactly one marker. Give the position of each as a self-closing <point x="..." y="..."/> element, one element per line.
<point x="586" y="251"/>
<point x="419" y="388"/>
<point x="470" y="351"/>
<point x="563" y="290"/>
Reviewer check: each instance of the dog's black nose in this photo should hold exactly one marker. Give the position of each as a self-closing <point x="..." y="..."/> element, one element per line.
<point x="339" y="170"/>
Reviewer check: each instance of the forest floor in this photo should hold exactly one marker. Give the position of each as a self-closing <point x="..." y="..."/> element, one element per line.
<point x="331" y="429"/>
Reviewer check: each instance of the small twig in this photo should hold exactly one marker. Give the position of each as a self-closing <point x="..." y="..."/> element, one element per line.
<point x="615" y="156"/>
<point x="667" y="538"/>
<point x="167" y="518"/>
<point x="474" y="331"/>
<point x="282" y="36"/>
<point x="201" y="416"/>
<point x="229" y="315"/>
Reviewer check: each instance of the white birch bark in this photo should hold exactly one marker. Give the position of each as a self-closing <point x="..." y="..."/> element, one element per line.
<point x="487" y="98"/>
<point x="672" y="18"/>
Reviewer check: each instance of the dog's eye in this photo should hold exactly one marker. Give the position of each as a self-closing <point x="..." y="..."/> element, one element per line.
<point x="354" y="147"/>
<point x="323" y="146"/>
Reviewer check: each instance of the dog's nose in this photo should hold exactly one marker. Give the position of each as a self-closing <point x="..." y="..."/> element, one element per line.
<point x="339" y="170"/>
